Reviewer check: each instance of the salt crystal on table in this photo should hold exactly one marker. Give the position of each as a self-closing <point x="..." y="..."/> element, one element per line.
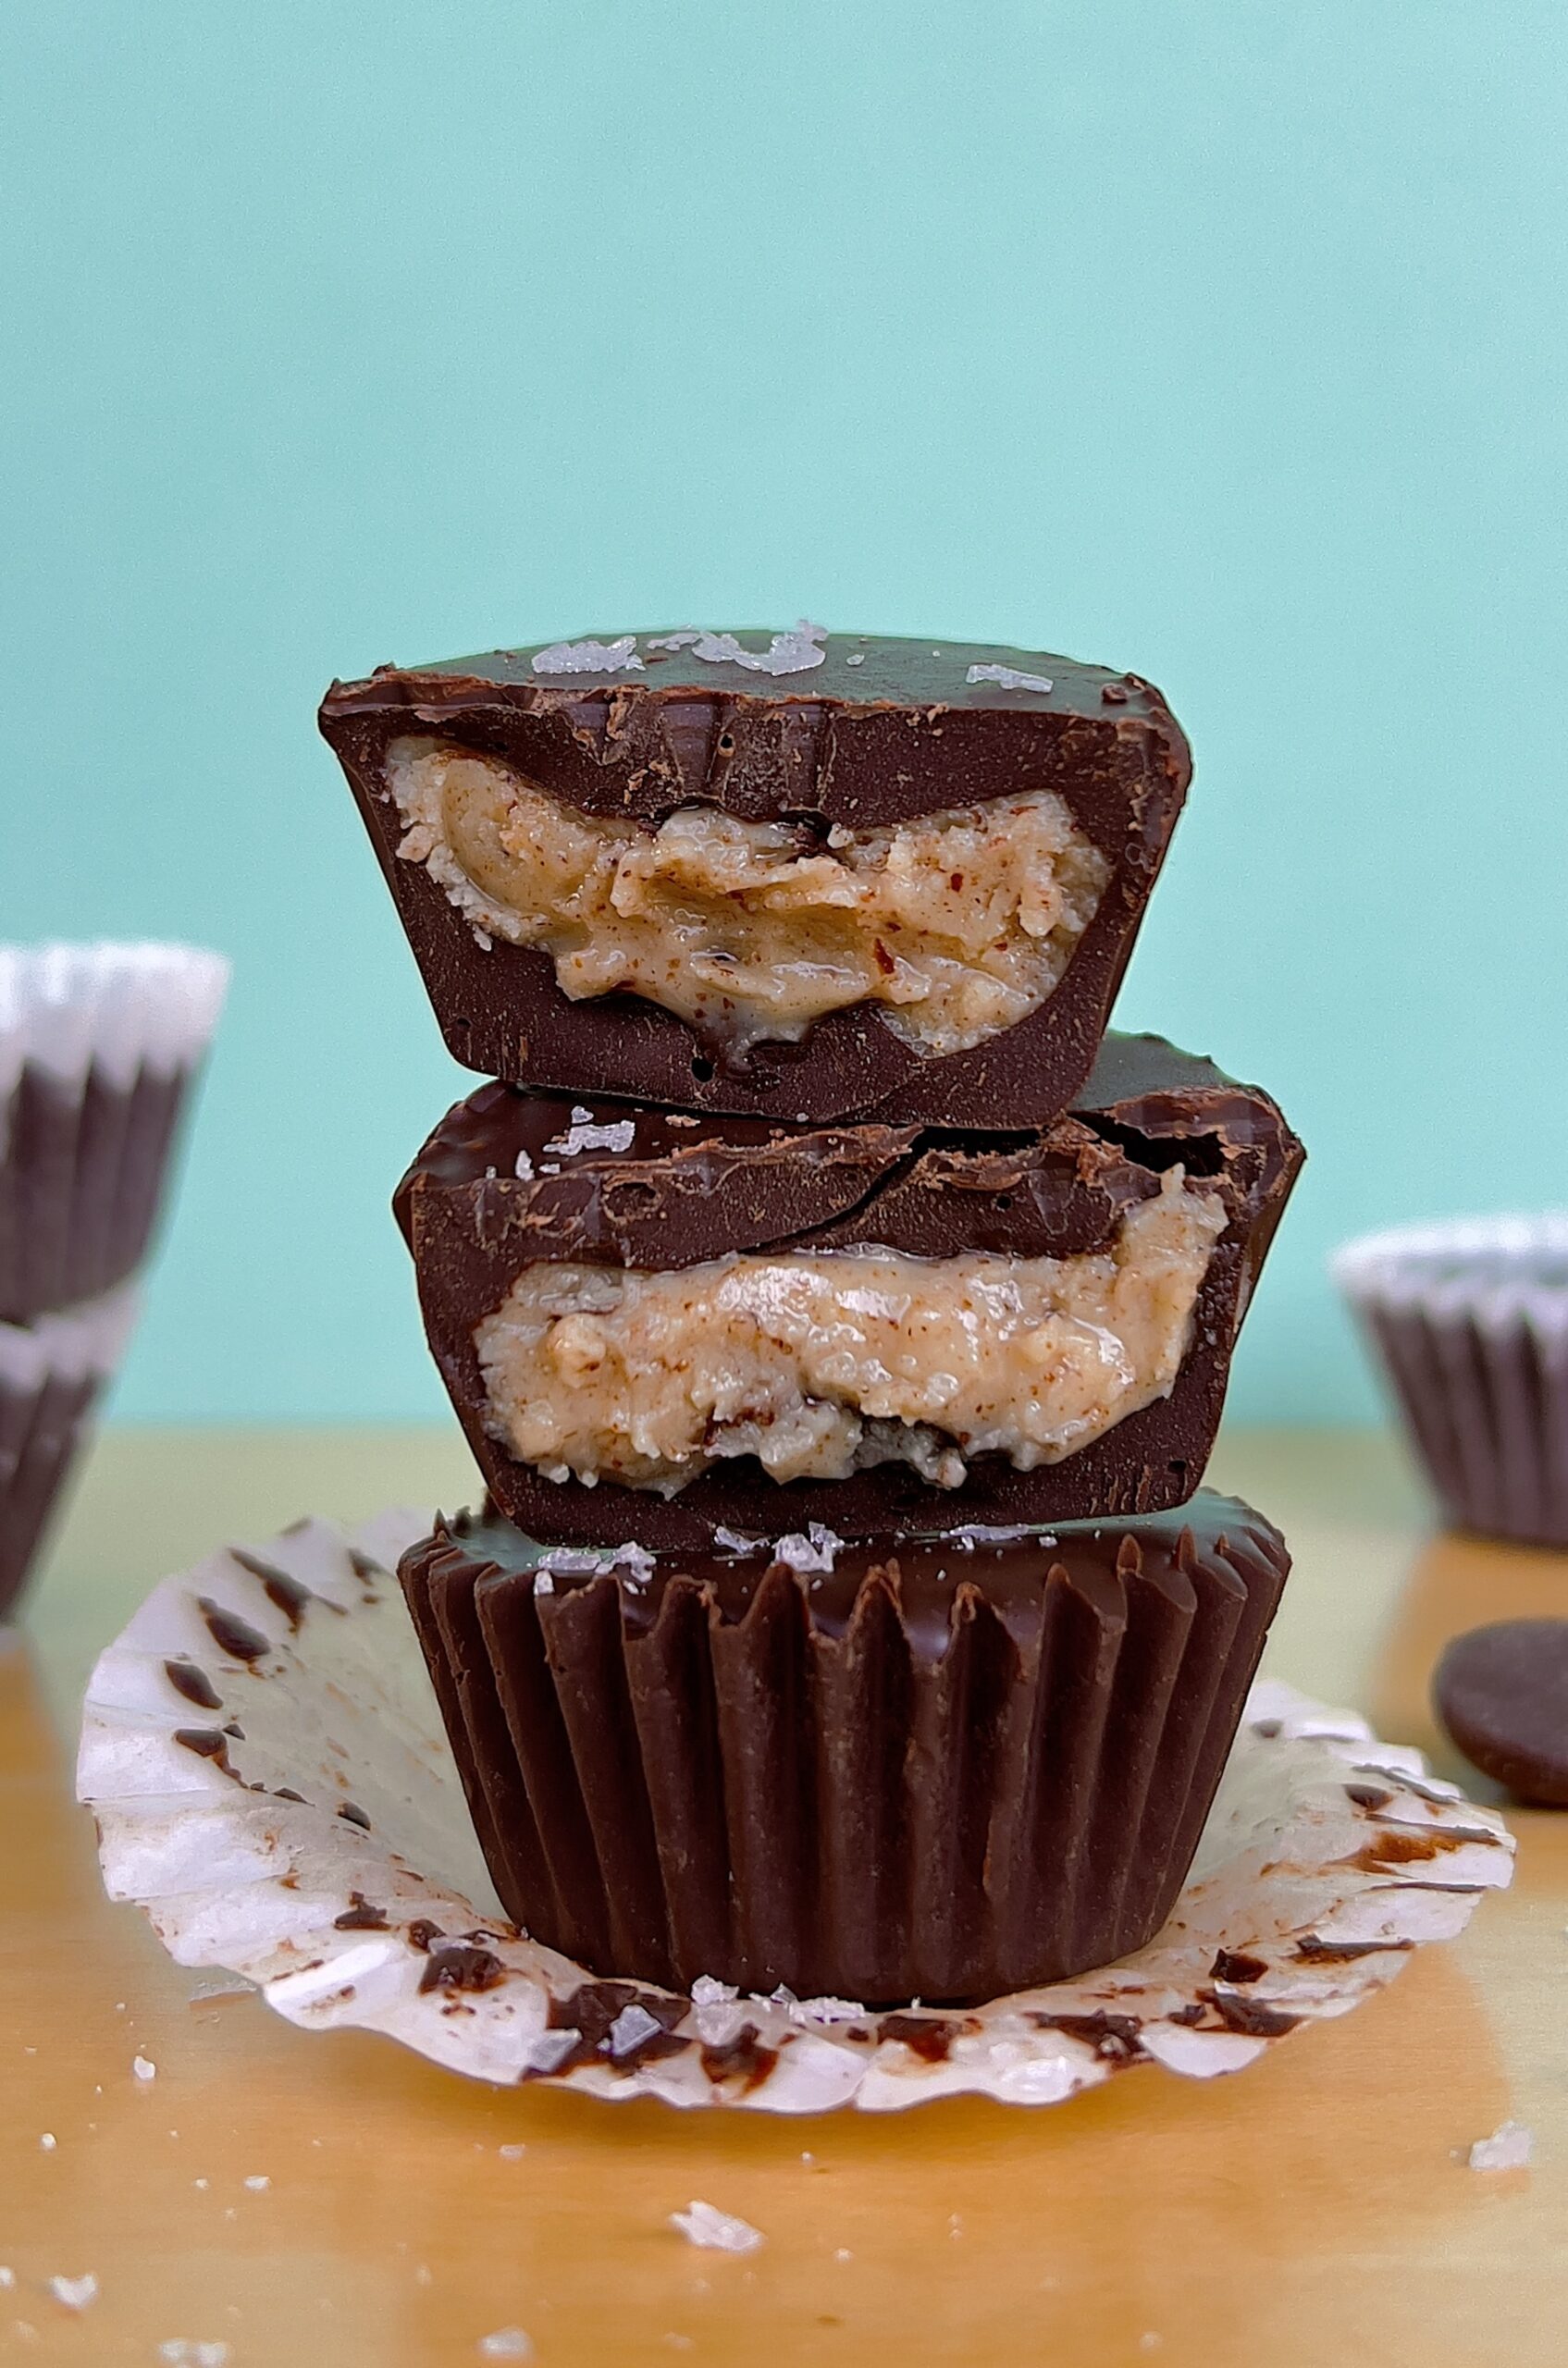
<point x="185" y="2351"/>
<point x="506" y="2343"/>
<point x="48" y="2141"/>
<point x="257" y="2182"/>
<point x="143" y="2068"/>
<point x="1508" y="2149"/>
<point x="512" y="2153"/>
<point x="718" y="2231"/>
<point x="76" y="2293"/>
<point x="8" y="2278"/>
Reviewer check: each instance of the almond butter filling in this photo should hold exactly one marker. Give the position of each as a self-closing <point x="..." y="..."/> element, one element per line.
<point x="955" y="925"/>
<point x="821" y="1363"/>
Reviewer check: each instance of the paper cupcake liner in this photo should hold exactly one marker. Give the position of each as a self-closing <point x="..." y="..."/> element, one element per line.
<point x="1470" y="1323"/>
<point x="51" y="1374"/>
<point x="265" y="1761"/>
<point x="849" y="1804"/>
<point x="97" y="1047"/>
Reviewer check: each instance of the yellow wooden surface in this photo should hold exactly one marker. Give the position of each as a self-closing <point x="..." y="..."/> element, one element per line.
<point x="1314" y="2209"/>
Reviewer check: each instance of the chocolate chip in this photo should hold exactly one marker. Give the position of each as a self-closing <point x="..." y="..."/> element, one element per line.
<point x="230" y="1634"/>
<point x="194" y="1684"/>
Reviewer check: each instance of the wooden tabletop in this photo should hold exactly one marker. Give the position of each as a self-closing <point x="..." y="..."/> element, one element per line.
<point x="1316" y="2208"/>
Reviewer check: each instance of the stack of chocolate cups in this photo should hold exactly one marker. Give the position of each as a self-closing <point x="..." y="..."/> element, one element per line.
<point x="98" y="1045"/>
<point x="840" y="1316"/>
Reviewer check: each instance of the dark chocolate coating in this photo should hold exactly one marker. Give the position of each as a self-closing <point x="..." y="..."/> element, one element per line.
<point x="940" y="1770"/>
<point x="686" y="1191"/>
<point x="900" y="736"/>
<point x="1502" y="1693"/>
<point x="81" y="1175"/>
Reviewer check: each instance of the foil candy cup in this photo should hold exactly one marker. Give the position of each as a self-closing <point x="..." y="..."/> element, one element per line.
<point x="1469" y="1320"/>
<point x="327" y="1855"/>
<point x="97" y="1047"/>
<point x="52" y="1374"/>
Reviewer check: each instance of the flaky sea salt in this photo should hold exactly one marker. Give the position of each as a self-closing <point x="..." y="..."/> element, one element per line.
<point x="855" y="657"/>
<point x="75" y="2293"/>
<point x="1508" y="2149"/>
<point x="522" y="1168"/>
<point x="189" y="2351"/>
<point x="814" y="1551"/>
<point x="143" y="2068"/>
<point x="707" y="1992"/>
<point x="632" y="2025"/>
<point x="258" y="2182"/>
<point x="583" y="1135"/>
<point x="8" y="2278"/>
<point x="717" y="2231"/>
<point x="1006" y="678"/>
<point x="736" y="1541"/>
<point x="788" y="653"/>
<point x="48" y="2141"/>
<point x="511" y="2154"/>
<point x="590" y="657"/>
<point x="506" y="2343"/>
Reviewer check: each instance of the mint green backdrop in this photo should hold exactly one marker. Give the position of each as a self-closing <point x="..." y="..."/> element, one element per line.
<point x="1223" y="342"/>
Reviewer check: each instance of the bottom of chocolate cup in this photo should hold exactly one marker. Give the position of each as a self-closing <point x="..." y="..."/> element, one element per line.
<point x="50" y="1377"/>
<point x="939" y="1768"/>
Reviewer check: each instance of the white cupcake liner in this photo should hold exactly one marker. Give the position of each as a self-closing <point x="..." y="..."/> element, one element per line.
<point x="1470" y="1322"/>
<point x="51" y="1374"/>
<point x="119" y="1008"/>
<point x="266" y="1764"/>
<point x="97" y="1046"/>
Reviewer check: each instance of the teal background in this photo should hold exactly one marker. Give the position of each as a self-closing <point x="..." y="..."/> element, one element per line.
<point x="1223" y="342"/>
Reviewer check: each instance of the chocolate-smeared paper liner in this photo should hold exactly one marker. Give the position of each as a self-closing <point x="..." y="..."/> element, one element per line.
<point x="51" y="1374"/>
<point x="98" y="1045"/>
<point x="1469" y="1320"/>
<point x="325" y="1853"/>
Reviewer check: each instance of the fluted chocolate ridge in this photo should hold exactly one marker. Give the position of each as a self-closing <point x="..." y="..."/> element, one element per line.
<point x="943" y="1767"/>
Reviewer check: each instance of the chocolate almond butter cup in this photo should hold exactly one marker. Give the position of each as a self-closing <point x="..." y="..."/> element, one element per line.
<point x="934" y="1768"/>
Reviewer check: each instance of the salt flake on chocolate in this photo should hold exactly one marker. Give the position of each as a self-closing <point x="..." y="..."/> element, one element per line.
<point x="814" y="1551"/>
<point x="583" y="1135"/>
<point x="795" y="652"/>
<point x="1006" y="678"/>
<point x="590" y="657"/>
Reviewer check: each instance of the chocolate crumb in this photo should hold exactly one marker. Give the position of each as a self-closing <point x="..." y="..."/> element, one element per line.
<point x="423" y="1935"/>
<point x="458" y="1966"/>
<point x="230" y="1634"/>
<point x="1253" y="2017"/>
<point x="194" y="1684"/>
<point x="284" y="1592"/>
<point x="361" y="1916"/>
<point x="354" y="1815"/>
<point x="208" y="1742"/>
<point x="1310" y="1950"/>
<point x="743" y="2058"/>
<point x="1235" y="1964"/>
<point x="929" y="2037"/>
<point x="1369" y="1796"/>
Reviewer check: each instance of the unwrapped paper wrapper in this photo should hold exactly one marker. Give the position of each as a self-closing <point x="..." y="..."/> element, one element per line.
<point x="263" y="1756"/>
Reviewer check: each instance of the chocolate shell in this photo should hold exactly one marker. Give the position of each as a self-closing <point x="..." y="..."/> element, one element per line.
<point x="938" y="1767"/>
<point x="680" y="1192"/>
<point x="880" y="732"/>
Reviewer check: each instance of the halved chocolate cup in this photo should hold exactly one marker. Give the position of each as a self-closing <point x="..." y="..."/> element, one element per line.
<point x="652" y="1327"/>
<point x="874" y="885"/>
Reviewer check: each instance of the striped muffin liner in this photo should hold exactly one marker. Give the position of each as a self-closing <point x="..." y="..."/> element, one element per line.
<point x="52" y="1374"/>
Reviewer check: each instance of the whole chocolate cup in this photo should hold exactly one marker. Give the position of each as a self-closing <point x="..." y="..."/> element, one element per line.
<point x="50" y="1377"/>
<point x="936" y="1769"/>
<point x="883" y="730"/>
<point x="682" y="1190"/>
